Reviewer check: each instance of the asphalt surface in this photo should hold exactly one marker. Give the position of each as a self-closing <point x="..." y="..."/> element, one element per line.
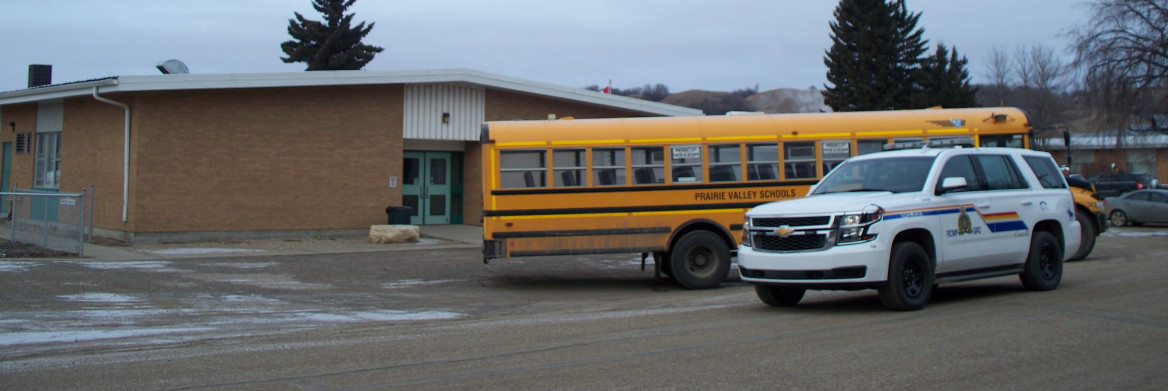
<point x="435" y="317"/>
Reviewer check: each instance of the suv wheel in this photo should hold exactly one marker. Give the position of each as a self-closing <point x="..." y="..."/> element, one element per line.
<point x="910" y="278"/>
<point x="1118" y="218"/>
<point x="1044" y="265"/>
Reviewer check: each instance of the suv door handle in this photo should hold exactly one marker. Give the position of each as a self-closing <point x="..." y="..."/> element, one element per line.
<point x="1028" y="203"/>
<point x="986" y="206"/>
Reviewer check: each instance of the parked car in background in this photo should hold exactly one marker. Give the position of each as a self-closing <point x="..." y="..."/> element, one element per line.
<point x="1138" y="207"/>
<point x="1114" y="184"/>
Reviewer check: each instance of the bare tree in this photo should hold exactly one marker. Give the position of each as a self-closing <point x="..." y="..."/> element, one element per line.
<point x="1123" y="52"/>
<point x="1044" y="82"/>
<point x="1000" y="74"/>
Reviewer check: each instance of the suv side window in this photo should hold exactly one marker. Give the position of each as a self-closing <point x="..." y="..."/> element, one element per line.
<point x="1048" y="175"/>
<point x="1000" y="172"/>
<point x="960" y="166"/>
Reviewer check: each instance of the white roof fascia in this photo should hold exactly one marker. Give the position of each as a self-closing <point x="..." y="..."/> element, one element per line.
<point x="55" y="92"/>
<point x="334" y="78"/>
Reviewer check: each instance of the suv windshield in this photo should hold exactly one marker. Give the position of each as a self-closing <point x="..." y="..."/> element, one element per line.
<point x="894" y="174"/>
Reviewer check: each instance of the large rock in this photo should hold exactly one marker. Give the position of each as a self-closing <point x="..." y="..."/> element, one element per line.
<point x="393" y="233"/>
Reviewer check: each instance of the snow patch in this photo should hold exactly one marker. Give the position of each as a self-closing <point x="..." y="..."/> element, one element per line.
<point x="24" y="338"/>
<point x="201" y="251"/>
<point x="1139" y="234"/>
<point x="154" y="266"/>
<point x="380" y="316"/>
<point x="259" y="265"/>
<point x="101" y="298"/>
<point x="15" y="266"/>
<point x="412" y="283"/>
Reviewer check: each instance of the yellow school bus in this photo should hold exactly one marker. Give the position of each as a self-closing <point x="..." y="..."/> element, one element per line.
<point x="678" y="187"/>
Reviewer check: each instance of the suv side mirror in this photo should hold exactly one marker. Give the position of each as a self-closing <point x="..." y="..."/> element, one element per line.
<point x="952" y="183"/>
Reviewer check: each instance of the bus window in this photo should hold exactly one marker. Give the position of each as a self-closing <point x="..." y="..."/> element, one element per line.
<point x="568" y="167"/>
<point x="864" y="147"/>
<point x="1005" y="140"/>
<point x="724" y="163"/>
<point x="799" y="160"/>
<point x="648" y="165"/>
<point x="522" y="169"/>
<point x="762" y="162"/>
<point x="608" y="166"/>
<point x="686" y="163"/>
<point x="834" y="152"/>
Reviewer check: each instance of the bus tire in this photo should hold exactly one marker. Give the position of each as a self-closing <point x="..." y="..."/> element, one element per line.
<point x="700" y="260"/>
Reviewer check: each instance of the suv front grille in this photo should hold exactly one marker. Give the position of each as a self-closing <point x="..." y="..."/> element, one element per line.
<point x="804" y="233"/>
<point x="791" y="221"/>
<point x="767" y="242"/>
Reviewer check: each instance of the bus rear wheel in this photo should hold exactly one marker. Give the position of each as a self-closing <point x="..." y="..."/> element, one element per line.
<point x="700" y="260"/>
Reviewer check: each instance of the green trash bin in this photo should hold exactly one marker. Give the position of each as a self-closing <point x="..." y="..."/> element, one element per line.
<point x="399" y="215"/>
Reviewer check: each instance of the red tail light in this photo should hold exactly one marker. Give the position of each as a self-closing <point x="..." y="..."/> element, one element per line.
<point x="1139" y="186"/>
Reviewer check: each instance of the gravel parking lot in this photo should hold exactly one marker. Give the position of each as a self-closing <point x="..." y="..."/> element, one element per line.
<point x="433" y="316"/>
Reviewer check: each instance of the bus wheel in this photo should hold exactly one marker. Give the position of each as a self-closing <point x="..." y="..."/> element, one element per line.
<point x="700" y="260"/>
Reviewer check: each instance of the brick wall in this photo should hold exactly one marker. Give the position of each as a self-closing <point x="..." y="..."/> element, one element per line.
<point x="265" y="159"/>
<point x="91" y="155"/>
<point x="24" y="116"/>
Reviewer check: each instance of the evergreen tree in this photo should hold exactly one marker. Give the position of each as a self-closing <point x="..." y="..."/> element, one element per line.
<point x="332" y="45"/>
<point x="874" y="52"/>
<point x="942" y="80"/>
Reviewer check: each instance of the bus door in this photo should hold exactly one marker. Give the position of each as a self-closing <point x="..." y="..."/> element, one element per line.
<point x="427" y="187"/>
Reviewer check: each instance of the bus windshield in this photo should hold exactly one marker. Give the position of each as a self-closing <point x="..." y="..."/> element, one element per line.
<point x="893" y="174"/>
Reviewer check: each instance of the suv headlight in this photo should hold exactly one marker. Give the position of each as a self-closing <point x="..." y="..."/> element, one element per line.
<point x="853" y="228"/>
<point x="746" y="240"/>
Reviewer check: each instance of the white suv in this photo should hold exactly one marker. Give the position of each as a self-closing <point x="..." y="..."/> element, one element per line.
<point x="904" y="221"/>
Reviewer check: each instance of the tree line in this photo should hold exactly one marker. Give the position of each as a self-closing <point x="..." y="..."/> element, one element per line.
<point x="879" y="60"/>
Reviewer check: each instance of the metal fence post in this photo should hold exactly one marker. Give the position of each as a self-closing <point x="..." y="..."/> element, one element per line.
<point x="89" y="238"/>
<point x="45" y="218"/>
<point x="81" y="227"/>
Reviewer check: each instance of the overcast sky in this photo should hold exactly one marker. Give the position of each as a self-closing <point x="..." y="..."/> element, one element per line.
<point x="684" y="44"/>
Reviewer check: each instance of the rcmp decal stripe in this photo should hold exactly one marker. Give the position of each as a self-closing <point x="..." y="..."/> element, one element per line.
<point x="997" y="222"/>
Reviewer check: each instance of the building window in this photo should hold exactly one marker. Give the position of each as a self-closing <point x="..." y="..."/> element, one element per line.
<point x="48" y="160"/>
<point x="1142" y="161"/>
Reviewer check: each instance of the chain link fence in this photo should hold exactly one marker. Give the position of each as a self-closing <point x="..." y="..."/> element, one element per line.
<point x="39" y="224"/>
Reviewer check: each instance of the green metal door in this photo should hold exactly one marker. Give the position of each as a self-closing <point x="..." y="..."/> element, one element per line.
<point x="427" y="186"/>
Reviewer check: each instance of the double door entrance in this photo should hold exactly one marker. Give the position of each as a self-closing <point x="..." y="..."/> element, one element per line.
<point x="432" y="187"/>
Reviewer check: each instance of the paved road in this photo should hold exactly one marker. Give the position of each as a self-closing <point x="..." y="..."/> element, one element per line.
<point x="440" y="319"/>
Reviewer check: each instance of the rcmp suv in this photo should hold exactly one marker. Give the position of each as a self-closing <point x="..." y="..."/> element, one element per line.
<point x="902" y="222"/>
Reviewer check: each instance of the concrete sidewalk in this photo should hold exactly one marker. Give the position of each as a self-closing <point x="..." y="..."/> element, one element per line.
<point x="433" y="236"/>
